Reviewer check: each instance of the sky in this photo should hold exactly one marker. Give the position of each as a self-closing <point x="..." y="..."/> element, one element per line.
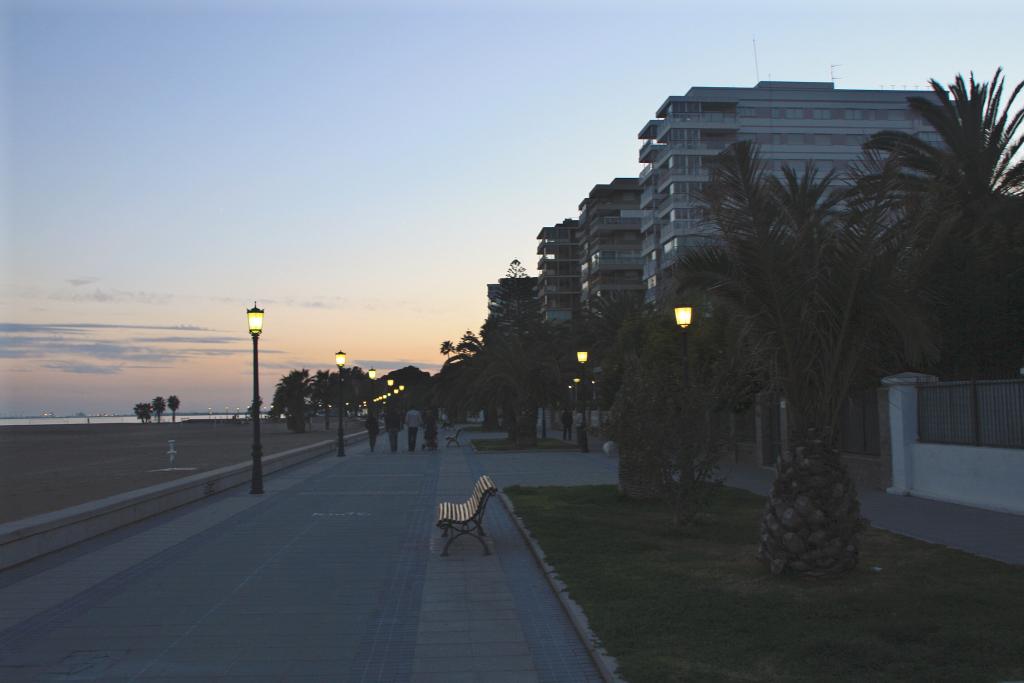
<point x="361" y="170"/>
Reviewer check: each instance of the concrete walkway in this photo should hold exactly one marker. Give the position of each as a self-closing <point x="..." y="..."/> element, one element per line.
<point x="334" y="574"/>
<point x="996" y="535"/>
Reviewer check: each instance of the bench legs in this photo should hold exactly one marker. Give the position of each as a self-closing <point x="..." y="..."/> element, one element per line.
<point x="477" y="533"/>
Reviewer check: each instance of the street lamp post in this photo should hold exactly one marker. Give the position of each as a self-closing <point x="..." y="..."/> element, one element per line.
<point x="372" y="374"/>
<point x="684" y="316"/>
<point x="582" y="357"/>
<point x="340" y="360"/>
<point x="255" y="316"/>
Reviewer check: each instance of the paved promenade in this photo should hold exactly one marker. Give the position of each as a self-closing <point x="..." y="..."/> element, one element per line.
<point x="334" y="574"/>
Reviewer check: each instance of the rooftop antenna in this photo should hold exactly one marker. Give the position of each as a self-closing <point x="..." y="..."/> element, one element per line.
<point x="833" y="76"/>
<point x="757" y="71"/>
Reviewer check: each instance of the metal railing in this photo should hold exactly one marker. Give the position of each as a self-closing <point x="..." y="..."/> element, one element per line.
<point x="708" y="116"/>
<point x="979" y="413"/>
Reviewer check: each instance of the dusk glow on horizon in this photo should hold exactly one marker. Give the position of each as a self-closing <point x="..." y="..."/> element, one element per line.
<point x="361" y="171"/>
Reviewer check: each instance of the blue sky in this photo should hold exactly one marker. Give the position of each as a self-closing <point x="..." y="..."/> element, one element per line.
<point x="363" y="169"/>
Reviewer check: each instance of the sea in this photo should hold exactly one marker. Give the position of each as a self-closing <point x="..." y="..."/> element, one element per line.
<point x="108" y="419"/>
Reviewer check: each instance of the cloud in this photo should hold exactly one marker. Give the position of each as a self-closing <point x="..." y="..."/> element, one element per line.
<point x="79" y="281"/>
<point x="74" y="328"/>
<point x="113" y="296"/>
<point x="83" y="368"/>
<point x="186" y="340"/>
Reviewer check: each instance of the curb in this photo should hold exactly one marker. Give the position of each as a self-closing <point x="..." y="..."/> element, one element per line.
<point x="26" y="539"/>
<point x="605" y="663"/>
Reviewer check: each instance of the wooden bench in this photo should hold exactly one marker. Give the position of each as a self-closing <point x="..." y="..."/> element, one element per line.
<point x="460" y="519"/>
<point x="453" y="439"/>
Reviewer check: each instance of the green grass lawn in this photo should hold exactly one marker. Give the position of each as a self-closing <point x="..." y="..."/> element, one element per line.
<point x="507" y="445"/>
<point x="696" y="605"/>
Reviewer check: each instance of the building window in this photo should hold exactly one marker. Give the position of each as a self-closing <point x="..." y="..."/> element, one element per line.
<point x="652" y="282"/>
<point x="854" y="114"/>
<point x="746" y="112"/>
<point x="821" y="114"/>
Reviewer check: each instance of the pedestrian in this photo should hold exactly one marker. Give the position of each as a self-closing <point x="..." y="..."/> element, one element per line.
<point x="566" y="425"/>
<point x="413" y="420"/>
<point x="581" y="432"/>
<point x="430" y="430"/>
<point x="393" y="425"/>
<point x="372" y="428"/>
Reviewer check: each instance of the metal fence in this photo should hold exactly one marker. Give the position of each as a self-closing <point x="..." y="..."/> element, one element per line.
<point x="858" y="423"/>
<point x="981" y="413"/>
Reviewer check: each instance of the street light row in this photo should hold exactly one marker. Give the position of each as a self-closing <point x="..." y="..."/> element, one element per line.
<point x="684" y="317"/>
<point x="255" y="318"/>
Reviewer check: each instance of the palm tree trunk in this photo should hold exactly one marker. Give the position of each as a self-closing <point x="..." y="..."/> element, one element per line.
<point x="812" y="517"/>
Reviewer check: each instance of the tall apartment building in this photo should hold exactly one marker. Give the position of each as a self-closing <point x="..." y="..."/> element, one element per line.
<point x="791" y="122"/>
<point x="609" y="237"/>
<point x="558" y="286"/>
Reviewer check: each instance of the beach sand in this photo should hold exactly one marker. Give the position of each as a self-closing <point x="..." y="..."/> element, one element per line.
<point x="46" y="468"/>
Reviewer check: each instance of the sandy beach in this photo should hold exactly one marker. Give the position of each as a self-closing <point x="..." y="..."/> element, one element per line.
<point x="52" y="467"/>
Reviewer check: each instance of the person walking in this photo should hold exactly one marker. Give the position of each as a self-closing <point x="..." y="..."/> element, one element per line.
<point x="566" y="425"/>
<point x="372" y="429"/>
<point x="430" y="430"/>
<point x="393" y="425"/>
<point x="413" y="420"/>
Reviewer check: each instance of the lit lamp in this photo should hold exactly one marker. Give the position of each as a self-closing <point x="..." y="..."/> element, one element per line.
<point x="684" y="316"/>
<point x="339" y="359"/>
<point x="401" y="387"/>
<point x="371" y="373"/>
<point x="255" y="316"/>
<point x="391" y="382"/>
<point x="581" y="356"/>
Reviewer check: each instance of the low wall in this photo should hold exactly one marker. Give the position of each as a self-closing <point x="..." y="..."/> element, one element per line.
<point x="28" y="538"/>
<point x="991" y="478"/>
<point x="982" y="477"/>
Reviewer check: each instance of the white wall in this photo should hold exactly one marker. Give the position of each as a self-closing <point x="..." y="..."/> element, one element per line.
<point x="991" y="478"/>
<point x="971" y="475"/>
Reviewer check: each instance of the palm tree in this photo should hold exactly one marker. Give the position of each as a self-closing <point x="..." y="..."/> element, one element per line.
<point x="173" y="403"/>
<point x="159" y="406"/>
<point x="970" y="187"/>
<point x="447" y="349"/>
<point x="142" y="411"/>
<point x="291" y="399"/>
<point x="520" y="377"/>
<point x="322" y="395"/>
<point x="823" y="287"/>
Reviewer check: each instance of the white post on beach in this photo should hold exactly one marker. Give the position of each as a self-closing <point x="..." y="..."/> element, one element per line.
<point x="170" y="452"/>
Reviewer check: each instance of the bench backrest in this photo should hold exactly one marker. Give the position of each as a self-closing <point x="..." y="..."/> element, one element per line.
<point x="483" y="490"/>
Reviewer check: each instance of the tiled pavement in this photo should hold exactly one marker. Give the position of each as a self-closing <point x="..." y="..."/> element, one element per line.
<point x="334" y="575"/>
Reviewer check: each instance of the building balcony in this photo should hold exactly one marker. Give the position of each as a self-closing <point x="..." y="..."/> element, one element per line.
<point x="649" y="152"/>
<point x="618" y="285"/>
<point x="712" y="118"/>
<point x="650" y="129"/>
<point x="605" y="223"/>
<point x="650" y="197"/>
<point x="675" y="201"/>
<point x="611" y="263"/>
<point x="673" y="175"/>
